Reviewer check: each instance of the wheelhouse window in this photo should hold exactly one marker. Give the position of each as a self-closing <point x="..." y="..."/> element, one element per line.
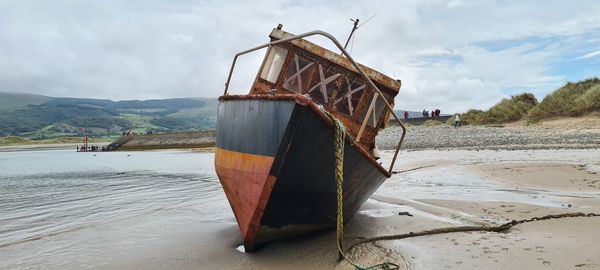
<point x="351" y="91"/>
<point x="376" y="112"/>
<point x="273" y="64"/>
<point x="324" y="84"/>
<point x="298" y="74"/>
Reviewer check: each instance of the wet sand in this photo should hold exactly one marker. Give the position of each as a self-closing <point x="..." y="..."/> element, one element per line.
<point x="499" y="186"/>
<point x="438" y="188"/>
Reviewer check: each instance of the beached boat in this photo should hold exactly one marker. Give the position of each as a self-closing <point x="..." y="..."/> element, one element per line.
<point x="274" y="146"/>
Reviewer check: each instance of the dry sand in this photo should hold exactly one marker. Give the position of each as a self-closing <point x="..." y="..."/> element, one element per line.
<point x="499" y="186"/>
<point x="438" y="188"/>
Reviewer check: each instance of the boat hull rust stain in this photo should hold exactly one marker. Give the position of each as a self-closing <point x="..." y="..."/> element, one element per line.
<point x="247" y="136"/>
<point x="277" y="169"/>
<point x="243" y="177"/>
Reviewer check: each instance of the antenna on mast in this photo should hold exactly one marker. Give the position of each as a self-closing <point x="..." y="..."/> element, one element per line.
<point x="355" y="27"/>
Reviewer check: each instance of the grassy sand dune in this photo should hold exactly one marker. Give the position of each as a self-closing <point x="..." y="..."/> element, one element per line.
<point x="15" y="140"/>
<point x="573" y="99"/>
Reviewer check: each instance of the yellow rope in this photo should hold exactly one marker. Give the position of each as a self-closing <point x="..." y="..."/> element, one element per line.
<point x="339" y="138"/>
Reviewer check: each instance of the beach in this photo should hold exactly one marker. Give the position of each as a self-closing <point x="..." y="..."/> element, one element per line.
<point x="175" y="216"/>
<point x="387" y="135"/>
<point x="492" y="187"/>
<point x="559" y="133"/>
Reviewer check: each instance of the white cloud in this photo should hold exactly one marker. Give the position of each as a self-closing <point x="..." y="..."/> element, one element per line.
<point x="589" y="55"/>
<point x="156" y="49"/>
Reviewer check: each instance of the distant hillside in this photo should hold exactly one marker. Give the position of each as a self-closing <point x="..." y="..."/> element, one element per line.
<point x="46" y="117"/>
<point x="11" y="101"/>
<point x="413" y="114"/>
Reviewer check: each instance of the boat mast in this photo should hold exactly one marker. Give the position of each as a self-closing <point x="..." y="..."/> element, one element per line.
<point x="354" y="27"/>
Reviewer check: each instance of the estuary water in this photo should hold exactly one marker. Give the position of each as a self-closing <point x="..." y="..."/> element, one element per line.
<point x="60" y="209"/>
<point x="47" y="194"/>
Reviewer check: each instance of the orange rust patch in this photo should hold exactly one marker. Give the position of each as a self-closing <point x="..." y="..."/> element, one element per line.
<point x="243" y="177"/>
<point x="260" y="210"/>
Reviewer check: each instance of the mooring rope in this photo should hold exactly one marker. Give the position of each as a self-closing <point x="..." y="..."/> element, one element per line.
<point x="339" y="138"/>
<point x="485" y="228"/>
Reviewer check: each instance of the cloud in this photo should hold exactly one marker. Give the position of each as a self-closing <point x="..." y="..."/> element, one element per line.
<point x="446" y="53"/>
<point x="589" y="55"/>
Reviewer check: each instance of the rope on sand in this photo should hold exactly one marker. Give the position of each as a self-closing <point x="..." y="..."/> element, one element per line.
<point x="413" y="169"/>
<point x="485" y="228"/>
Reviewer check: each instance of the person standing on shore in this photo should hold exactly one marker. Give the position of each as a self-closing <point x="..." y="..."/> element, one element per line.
<point x="456" y="120"/>
<point x="405" y="114"/>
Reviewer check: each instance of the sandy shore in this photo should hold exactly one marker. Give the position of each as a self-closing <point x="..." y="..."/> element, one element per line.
<point x="438" y="188"/>
<point x="492" y="187"/>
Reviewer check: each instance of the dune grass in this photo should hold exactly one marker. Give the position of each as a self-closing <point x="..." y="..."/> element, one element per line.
<point x="430" y="123"/>
<point x="507" y="110"/>
<point x="15" y="140"/>
<point x="588" y="102"/>
<point x="573" y="99"/>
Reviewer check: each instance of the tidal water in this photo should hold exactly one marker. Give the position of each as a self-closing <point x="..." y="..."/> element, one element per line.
<point x="44" y="194"/>
<point x="166" y="209"/>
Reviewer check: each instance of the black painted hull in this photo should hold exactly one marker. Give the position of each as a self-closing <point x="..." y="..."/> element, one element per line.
<point x="299" y="193"/>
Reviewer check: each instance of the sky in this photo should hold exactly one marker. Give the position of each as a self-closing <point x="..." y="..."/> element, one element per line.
<point x="453" y="55"/>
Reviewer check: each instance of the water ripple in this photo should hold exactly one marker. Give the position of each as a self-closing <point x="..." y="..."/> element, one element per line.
<point x="41" y="204"/>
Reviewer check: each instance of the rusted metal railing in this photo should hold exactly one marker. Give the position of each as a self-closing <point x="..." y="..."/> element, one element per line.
<point x="378" y="93"/>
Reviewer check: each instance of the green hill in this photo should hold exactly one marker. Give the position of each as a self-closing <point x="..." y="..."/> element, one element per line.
<point x="40" y="117"/>
<point x="11" y="101"/>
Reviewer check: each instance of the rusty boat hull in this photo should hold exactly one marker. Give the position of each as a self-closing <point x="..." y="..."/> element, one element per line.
<point x="274" y="158"/>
